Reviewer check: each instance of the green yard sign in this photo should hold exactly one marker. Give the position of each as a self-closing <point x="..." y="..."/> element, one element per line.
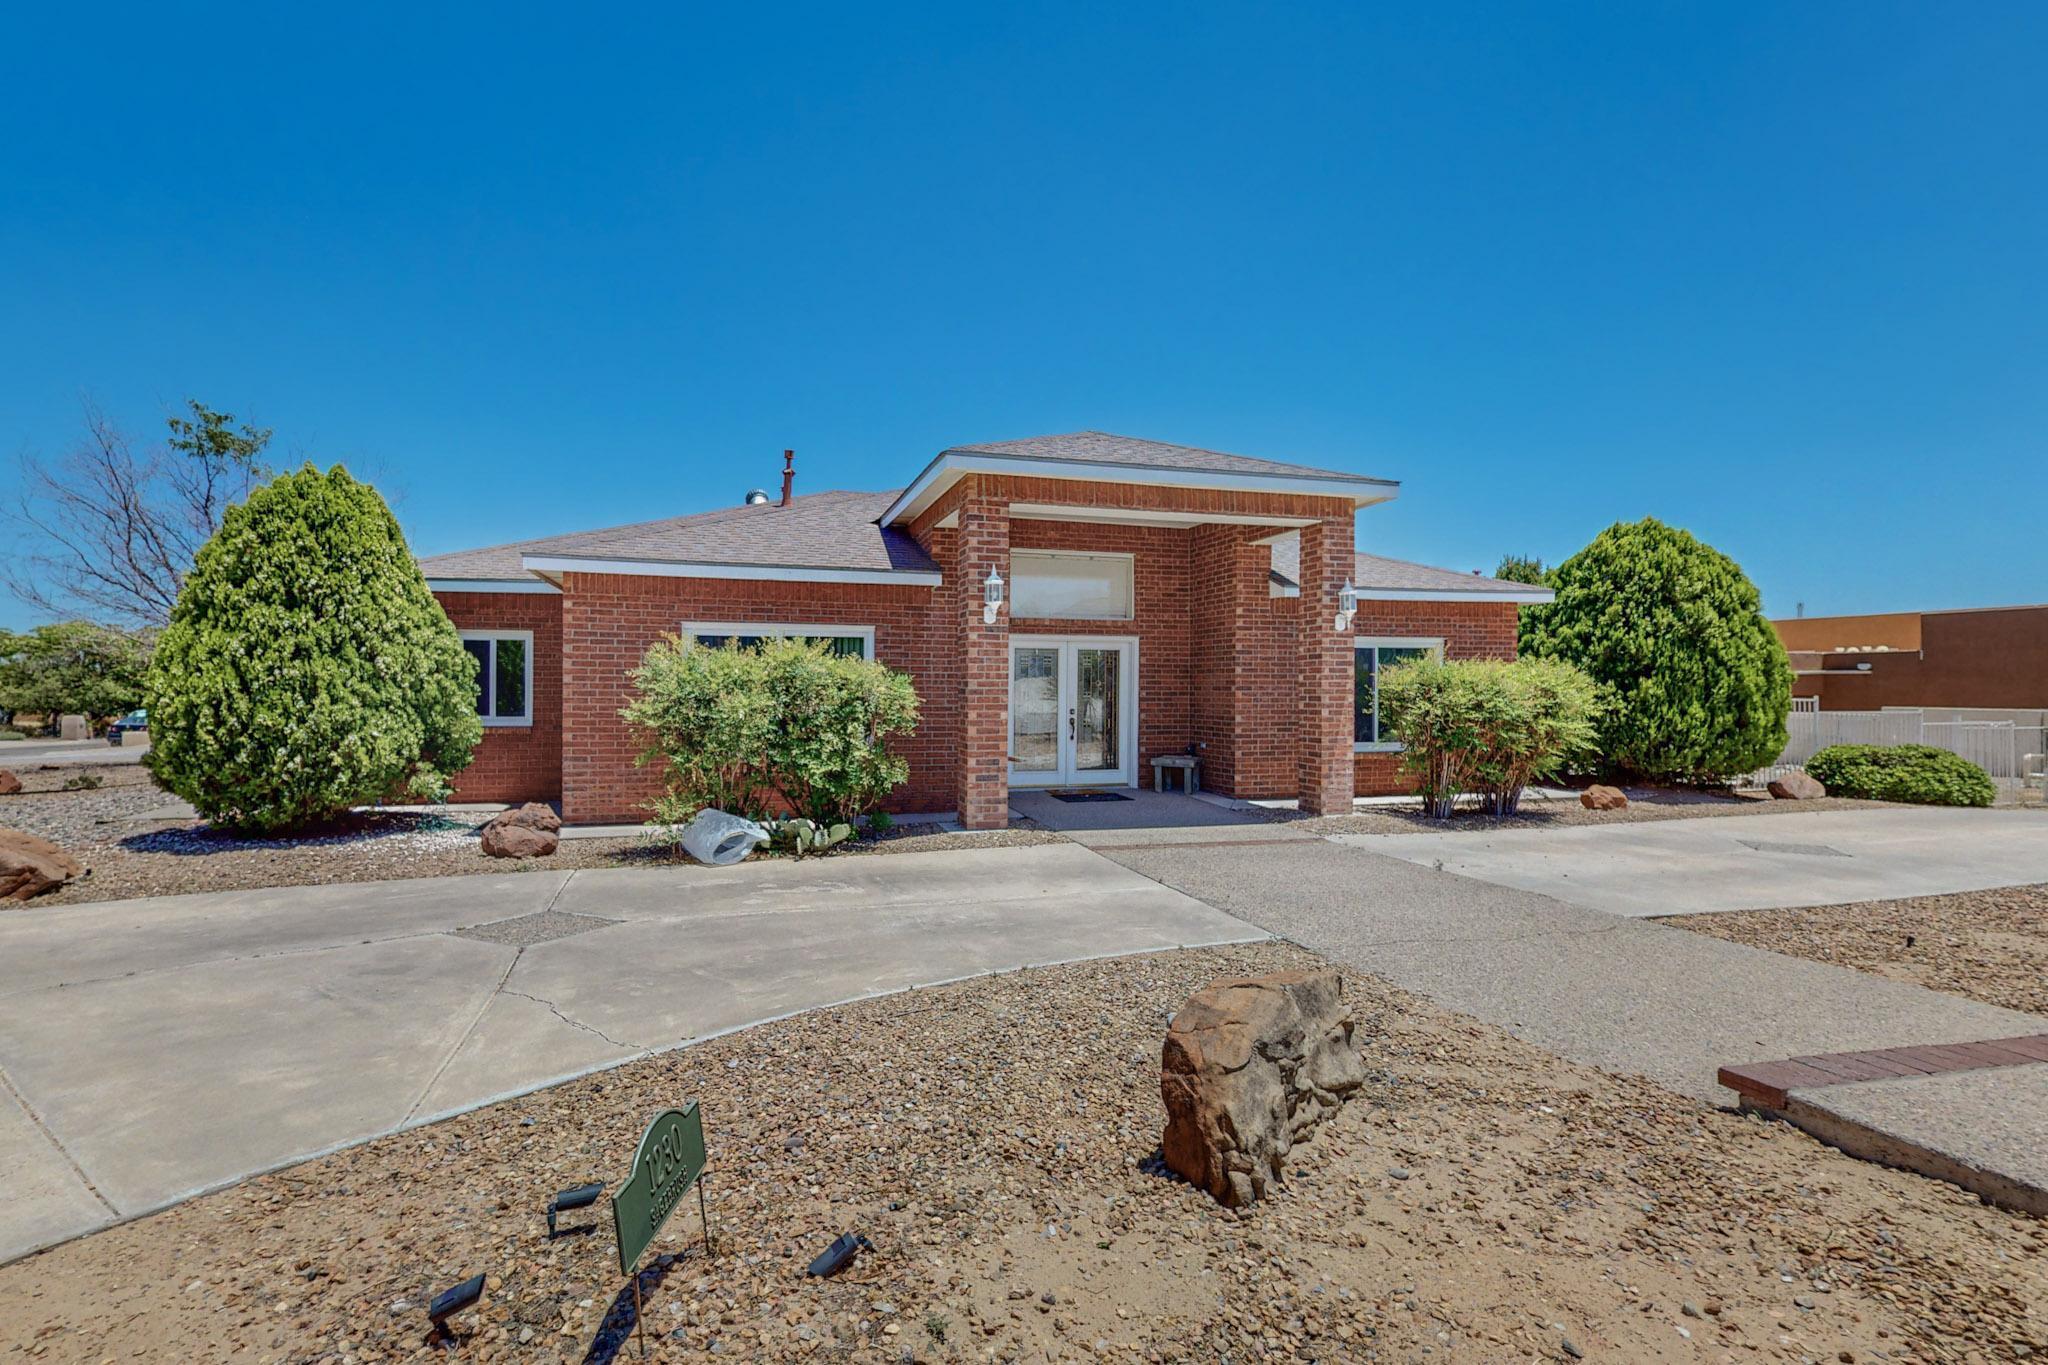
<point x="668" y="1163"/>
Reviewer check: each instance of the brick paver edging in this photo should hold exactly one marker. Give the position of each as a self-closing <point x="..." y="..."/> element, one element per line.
<point x="1766" y="1083"/>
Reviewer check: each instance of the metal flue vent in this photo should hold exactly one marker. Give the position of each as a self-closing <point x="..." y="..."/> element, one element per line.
<point x="756" y="497"/>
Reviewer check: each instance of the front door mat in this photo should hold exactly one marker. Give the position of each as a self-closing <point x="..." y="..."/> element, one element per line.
<point x="1079" y="796"/>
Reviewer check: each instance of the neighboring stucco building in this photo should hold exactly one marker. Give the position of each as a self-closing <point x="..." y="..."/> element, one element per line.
<point x="1154" y="597"/>
<point x="1987" y="658"/>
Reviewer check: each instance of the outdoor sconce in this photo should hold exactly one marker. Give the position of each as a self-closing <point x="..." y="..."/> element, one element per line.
<point x="991" y="597"/>
<point x="1347" y="605"/>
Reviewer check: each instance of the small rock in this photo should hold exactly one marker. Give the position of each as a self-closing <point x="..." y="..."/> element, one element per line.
<point x="1599" y="797"/>
<point x="10" y="785"/>
<point x="30" y="866"/>
<point x="1796" y="786"/>
<point x="518" y="841"/>
<point x="1398" y="1172"/>
<point x="1571" y="1348"/>
<point x="1803" y="1301"/>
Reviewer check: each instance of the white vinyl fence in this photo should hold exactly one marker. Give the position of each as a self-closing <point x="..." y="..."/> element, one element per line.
<point x="2001" y="748"/>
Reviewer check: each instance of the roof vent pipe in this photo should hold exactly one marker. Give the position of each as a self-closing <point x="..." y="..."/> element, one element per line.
<point x="757" y="497"/>
<point x="788" y="475"/>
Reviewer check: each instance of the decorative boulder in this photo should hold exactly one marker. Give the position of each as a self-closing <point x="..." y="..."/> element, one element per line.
<point x="30" y="866"/>
<point x="532" y="815"/>
<point x="1797" y="786"/>
<point x="1603" y="798"/>
<point x="518" y="841"/>
<point x="9" y="783"/>
<point x="1249" y="1067"/>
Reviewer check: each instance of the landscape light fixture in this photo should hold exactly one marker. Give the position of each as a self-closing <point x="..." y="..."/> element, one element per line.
<point x="991" y="597"/>
<point x="449" y="1302"/>
<point x="576" y="1197"/>
<point x="834" y="1258"/>
<point x="1347" y="605"/>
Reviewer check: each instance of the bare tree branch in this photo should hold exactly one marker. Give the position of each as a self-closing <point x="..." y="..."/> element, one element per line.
<point x="115" y="532"/>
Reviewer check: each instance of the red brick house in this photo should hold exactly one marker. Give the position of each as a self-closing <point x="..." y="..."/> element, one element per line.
<point x="1150" y="597"/>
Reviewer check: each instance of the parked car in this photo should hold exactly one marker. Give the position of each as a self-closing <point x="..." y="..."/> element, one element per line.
<point x="134" y="720"/>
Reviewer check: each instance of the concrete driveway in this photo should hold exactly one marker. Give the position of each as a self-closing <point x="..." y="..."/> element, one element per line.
<point x="152" y="1049"/>
<point x="1745" y="862"/>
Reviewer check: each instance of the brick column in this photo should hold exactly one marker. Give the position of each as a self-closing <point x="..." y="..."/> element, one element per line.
<point x="984" y="544"/>
<point x="1323" y="658"/>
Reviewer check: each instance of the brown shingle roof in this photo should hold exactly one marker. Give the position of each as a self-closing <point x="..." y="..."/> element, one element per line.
<point x="817" y="531"/>
<point x="1376" y="573"/>
<point x="1102" y="447"/>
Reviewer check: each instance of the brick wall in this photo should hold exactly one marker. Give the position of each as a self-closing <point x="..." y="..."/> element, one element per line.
<point x="517" y="763"/>
<point x="1323" y="670"/>
<point x="1469" y="630"/>
<point x="609" y="620"/>
<point x="981" y="546"/>
<point x="1242" y="643"/>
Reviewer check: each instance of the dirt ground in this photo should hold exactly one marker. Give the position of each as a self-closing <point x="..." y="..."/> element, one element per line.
<point x="1988" y="945"/>
<point x="996" y="1140"/>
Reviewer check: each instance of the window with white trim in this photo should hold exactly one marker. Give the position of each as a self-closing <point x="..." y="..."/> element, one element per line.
<point x="1053" y="585"/>
<point x="1372" y="658"/>
<point x="504" y="674"/>
<point x="856" y="642"/>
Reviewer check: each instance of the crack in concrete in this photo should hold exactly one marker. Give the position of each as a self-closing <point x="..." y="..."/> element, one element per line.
<point x="555" y="1010"/>
<point x="14" y="1091"/>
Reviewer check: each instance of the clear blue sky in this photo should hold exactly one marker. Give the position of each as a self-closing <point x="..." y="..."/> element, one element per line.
<point x="1778" y="274"/>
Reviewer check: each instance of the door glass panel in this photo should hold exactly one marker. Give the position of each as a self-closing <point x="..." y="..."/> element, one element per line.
<point x="1098" y="687"/>
<point x="1035" y="708"/>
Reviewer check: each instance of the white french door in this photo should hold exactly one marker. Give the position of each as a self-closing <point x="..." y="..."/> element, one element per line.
<point x="1073" y="711"/>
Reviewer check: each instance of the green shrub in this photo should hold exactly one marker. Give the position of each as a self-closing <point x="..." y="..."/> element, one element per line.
<point x="1694" y="684"/>
<point x="84" y="782"/>
<point x="786" y="725"/>
<point x="1485" y="726"/>
<point x="306" y="667"/>
<point x="11" y="734"/>
<point x="1916" y="773"/>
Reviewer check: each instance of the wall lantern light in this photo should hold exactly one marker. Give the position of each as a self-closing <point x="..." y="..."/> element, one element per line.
<point x="1347" y="605"/>
<point x="991" y="597"/>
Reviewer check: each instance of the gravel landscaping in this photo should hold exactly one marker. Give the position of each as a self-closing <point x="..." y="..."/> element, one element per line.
<point x="128" y="856"/>
<point x="995" y="1140"/>
<point x="1539" y="812"/>
<point x="1988" y="945"/>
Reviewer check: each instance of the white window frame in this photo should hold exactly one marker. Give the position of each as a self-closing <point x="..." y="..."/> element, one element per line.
<point x="779" y="630"/>
<point x="1032" y="552"/>
<point x="1430" y="642"/>
<point x="490" y="679"/>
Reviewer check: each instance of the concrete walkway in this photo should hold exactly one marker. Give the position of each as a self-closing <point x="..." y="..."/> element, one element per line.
<point x="152" y="1049"/>
<point x="1746" y="862"/>
<point x="1625" y="994"/>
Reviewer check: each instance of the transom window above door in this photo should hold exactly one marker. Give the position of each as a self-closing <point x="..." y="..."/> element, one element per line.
<point x="856" y="642"/>
<point x="504" y="674"/>
<point x="1060" y="585"/>
<point x="1368" y="735"/>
